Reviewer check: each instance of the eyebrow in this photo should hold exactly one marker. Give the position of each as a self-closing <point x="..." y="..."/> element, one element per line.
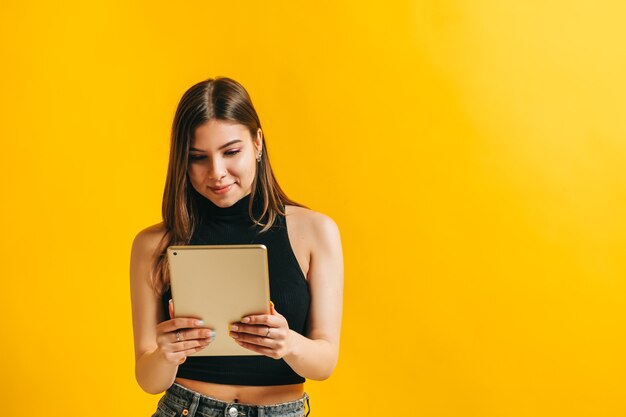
<point x="221" y="147"/>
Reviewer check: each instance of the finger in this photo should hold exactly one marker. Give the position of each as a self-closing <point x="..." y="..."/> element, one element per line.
<point x="189" y="352"/>
<point x="253" y="339"/>
<point x="259" y="330"/>
<point x="171" y="308"/>
<point x="179" y="356"/>
<point x="195" y="334"/>
<point x="259" y="349"/>
<point x="180" y="323"/>
<point x="186" y="345"/>
<point x="265" y="319"/>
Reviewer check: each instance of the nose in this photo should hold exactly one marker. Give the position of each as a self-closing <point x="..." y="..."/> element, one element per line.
<point x="217" y="170"/>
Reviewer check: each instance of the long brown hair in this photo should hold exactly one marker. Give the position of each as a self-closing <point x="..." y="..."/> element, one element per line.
<point x="220" y="98"/>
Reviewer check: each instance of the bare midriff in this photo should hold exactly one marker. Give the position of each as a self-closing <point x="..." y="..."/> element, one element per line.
<point x="245" y="394"/>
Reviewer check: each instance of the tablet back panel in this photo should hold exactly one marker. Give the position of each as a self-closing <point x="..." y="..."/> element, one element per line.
<point x="219" y="284"/>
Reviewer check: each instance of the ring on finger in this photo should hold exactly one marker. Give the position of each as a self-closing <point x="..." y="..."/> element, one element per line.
<point x="268" y="331"/>
<point x="178" y="336"/>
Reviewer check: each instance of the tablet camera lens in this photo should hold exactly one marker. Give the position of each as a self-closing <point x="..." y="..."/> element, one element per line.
<point x="174" y="253"/>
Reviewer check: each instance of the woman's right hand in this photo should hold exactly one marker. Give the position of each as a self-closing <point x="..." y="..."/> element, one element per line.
<point x="179" y="337"/>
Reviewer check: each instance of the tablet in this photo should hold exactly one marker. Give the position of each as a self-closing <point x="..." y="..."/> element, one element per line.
<point x="219" y="284"/>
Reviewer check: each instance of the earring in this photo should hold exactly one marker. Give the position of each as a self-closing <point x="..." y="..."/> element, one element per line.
<point x="258" y="157"/>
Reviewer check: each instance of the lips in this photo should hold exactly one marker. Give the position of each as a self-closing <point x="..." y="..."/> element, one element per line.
<point x="221" y="190"/>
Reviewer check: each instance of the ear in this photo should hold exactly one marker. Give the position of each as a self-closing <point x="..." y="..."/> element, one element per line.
<point x="258" y="140"/>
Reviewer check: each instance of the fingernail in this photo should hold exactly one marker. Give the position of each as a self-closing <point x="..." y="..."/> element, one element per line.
<point x="213" y="334"/>
<point x="234" y="327"/>
<point x="245" y="319"/>
<point x="199" y="322"/>
<point x="234" y="335"/>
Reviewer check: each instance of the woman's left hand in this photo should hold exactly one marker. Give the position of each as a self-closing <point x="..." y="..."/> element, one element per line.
<point x="267" y="334"/>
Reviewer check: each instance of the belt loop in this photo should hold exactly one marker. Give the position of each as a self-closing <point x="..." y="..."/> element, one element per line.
<point x="260" y="411"/>
<point x="194" y="405"/>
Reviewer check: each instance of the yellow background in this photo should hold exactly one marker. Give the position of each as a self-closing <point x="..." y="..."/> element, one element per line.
<point x="472" y="153"/>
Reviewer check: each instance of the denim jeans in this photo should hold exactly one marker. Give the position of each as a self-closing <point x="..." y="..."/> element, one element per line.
<point x="179" y="401"/>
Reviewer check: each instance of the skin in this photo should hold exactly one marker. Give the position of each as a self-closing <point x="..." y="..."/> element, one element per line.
<point x="316" y="243"/>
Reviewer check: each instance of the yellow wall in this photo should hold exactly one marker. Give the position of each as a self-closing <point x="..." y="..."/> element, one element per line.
<point x="472" y="152"/>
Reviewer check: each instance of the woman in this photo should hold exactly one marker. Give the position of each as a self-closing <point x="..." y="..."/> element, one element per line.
<point x="220" y="189"/>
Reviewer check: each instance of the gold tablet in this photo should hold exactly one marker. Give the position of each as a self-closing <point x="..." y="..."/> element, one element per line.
<point x="219" y="284"/>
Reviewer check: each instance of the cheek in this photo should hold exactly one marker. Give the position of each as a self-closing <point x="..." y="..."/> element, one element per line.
<point x="195" y="173"/>
<point x="247" y="169"/>
<point x="242" y="167"/>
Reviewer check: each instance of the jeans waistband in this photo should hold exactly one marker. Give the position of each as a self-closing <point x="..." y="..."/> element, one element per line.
<point x="196" y="402"/>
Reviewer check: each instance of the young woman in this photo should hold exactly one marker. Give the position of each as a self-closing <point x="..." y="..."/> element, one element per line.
<point x="220" y="189"/>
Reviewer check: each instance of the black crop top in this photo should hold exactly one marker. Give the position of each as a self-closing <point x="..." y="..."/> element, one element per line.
<point x="288" y="290"/>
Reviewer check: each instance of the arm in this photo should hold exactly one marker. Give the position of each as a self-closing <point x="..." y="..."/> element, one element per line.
<point x="157" y="353"/>
<point x="314" y="356"/>
<point x="152" y="372"/>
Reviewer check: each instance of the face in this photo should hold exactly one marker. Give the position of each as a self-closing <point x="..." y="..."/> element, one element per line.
<point x="222" y="161"/>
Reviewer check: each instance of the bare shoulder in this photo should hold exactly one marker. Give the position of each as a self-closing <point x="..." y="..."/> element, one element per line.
<point x="144" y="248"/>
<point x="312" y="223"/>
<point x="148" y="239"/>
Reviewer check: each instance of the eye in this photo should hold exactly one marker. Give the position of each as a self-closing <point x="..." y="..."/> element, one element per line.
<point x="232" y="152"/>
<point x="196" y="157"/>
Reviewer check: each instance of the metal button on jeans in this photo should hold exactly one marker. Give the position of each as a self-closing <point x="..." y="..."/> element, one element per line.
<point x="233" y="412"/>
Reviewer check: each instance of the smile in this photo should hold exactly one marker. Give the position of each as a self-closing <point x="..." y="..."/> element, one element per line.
<point x="221" y="190"/>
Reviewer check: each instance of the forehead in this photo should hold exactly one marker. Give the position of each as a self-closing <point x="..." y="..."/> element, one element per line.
<point x="215" y="133"/>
